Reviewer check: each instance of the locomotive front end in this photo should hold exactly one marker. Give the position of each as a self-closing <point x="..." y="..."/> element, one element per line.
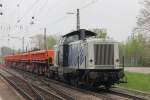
<point x="103" y="54"/>
<point x="103" y="60"/>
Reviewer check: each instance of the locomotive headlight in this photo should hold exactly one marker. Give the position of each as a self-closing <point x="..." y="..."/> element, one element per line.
<point x="117" y="60"/>
<point x="91" y="60"/>
<point x="117" y="63"/>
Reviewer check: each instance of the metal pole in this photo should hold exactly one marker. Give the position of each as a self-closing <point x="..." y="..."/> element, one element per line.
<point x="1" y="13"/>
<point x="8" y="40"/>
<point x="39" y="45"/>
<point x="78" y="19"/>
<point x="13" y="50"/>
<point x="26" y="48"/>
<point x="45" y="39"/>
<point x="23" y="44"/>
<point x="123" y="62"/>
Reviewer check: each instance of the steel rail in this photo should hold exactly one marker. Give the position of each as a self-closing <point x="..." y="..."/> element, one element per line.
<point x="135" y="92"/>
<point x="50" y="81"/>
<point x="128" y="95"/>
<point x="54" y="96"/>
<point x="20" y="89"/>
<point x="31" y="75"/>
<point x="104" y="95"/>
<point x="47" y="94"/>
<point x="24" y="94"/>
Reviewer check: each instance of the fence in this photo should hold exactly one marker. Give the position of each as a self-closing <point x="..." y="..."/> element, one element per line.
<point x="135" y="61"/>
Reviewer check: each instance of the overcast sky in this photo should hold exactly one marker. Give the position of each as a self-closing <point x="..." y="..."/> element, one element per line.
<point x="117" y="16"/>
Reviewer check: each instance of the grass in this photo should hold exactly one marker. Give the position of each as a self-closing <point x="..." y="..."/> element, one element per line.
<point x="137" y="81"/>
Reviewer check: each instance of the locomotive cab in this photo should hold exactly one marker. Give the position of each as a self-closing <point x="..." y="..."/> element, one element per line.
<point x="63" y="49"/>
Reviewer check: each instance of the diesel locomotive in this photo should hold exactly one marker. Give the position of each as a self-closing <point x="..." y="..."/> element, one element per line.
<point x="79" y="59"/>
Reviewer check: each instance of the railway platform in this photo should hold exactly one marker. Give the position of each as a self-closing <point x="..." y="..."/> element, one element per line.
<point x="7" y="92"/>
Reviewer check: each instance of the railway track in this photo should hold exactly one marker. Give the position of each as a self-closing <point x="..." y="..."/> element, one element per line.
<point x="29" y="92"/>
<point x="64" y="91"/>
<point x="103" y="94"/>
<point x="128" y="95"/>
<point x="47" y="94"/>
<point x="134" y="92"/>
<point x="22" y="86"/>
<point x="61" y="89"/>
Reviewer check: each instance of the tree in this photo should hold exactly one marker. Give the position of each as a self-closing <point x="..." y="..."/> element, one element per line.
<point x="135" y="45"/>
<point x="134" y="49"/>
<point x="38" y="41"/>
<point x="101" y="33"/>
<point x="143" y="27"/>
<point x="143" y="21"/>
<point x="51" y="41"/>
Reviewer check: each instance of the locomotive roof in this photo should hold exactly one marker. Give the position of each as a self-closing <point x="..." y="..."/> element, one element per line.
<point x="79" y="32"/>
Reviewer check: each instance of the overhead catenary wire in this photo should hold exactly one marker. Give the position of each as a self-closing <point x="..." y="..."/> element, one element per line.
<point x="54" y="5"/>
<point x="30" y="9"/>
<point x="16" y="6"/>
<point x="63" y="17"/>
<point x="35" y="15"/>
<point x="27" y="11"/>
<point x="83" y="7"/>
<point x="60" y="19"/>
<point x="41" y="8"/>
<point x="89" y="4"/>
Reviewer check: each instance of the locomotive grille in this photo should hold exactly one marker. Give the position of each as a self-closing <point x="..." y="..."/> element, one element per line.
<point x="104" y="54"/>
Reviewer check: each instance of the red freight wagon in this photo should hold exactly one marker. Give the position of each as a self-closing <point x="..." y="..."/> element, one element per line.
<point x="16" y="57"/>
<point x="7" y="58"/>
<point x="51" y="56"/>
<point x="10" y="58"/>
<point x="43" y="56"/>
<point x="25" y="57"/>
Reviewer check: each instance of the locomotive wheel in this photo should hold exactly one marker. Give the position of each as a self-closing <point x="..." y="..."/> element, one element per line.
<point x="107" y="86"/>
<point x="74" y="82"/>
<point x="51" y="74"/>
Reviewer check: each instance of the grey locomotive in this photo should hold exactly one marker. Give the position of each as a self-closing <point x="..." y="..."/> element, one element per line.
<point x="83" y="59"/>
